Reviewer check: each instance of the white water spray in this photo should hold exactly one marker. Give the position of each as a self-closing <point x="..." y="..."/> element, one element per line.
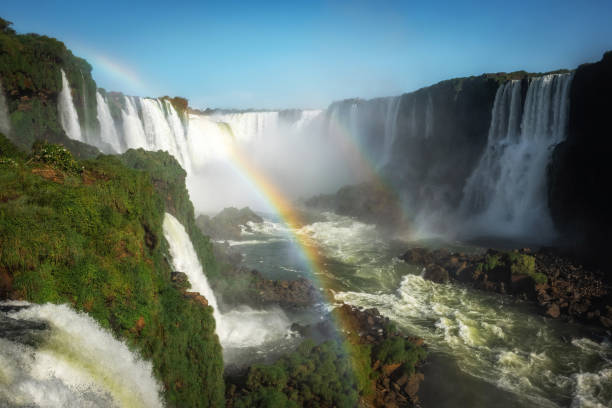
<point x="239" y="328"/>
<point x="76" y="364"/>
<point x="69" y="118"/>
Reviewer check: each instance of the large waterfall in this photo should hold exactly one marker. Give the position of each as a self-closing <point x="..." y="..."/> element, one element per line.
<point x="506" y="193"/>
<point x="5" y="123"/>
<point x="52" y="356"/>
<point x="372" y="125"/>
<point x="238" y="328"/>
<point x="69" y="118"/>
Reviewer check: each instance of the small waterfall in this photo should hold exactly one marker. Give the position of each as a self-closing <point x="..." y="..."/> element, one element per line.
<point x="108" y="132"/>
<point x="133" y="131"/>
<point x="52" y="356"/>
<point x="5" y="122"/>
<point x="506" y="193"/>
<point x="69" y="118"/>
<point x="392" y="110"/>
<point x="240" y="328"/>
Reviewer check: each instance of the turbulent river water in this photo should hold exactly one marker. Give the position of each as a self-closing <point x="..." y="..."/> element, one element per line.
<point x="484" y="349"/>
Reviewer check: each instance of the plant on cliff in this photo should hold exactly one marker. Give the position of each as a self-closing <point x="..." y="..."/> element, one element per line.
<point x="30" y="72"/>
<point x="56" y="156"/>
<point x="95" y="240"/>
<point x="522" y="264"/>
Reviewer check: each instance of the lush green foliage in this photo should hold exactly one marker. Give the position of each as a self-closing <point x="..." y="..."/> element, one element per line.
<point x="398" y="350"/>
<point x="522" y="264"/>
<point x="514" y="262"/>
<point x="55" y="155"/>
<point x="312" y="376"/>
<point x="168" y="177"/>
<point x="30" y="73"/>
<point x="95" y="240"/>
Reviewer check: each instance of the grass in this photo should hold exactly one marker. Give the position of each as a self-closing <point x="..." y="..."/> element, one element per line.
<point x="89" y="233"/>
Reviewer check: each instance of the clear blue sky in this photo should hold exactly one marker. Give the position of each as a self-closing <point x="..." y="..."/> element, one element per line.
<point x="290" y="54"/>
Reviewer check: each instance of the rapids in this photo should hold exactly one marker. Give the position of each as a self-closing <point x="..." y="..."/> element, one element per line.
<point x="485" y="349"/>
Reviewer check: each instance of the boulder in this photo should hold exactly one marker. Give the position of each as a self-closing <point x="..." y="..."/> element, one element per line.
<point x="436" y="273"/>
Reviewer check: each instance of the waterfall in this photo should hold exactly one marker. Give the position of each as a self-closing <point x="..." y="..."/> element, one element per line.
<point x="506" y="193"/>
<point x="5" y="122"/>
<point x="69" y="118"/>
<point x="392" y="110"/>
<point x="52" y="356"/>
<point x="108" y="132"/>
<point x="249" y="126"/>
<point x="240" y="328"/>
<point x="133" y="130"/>
<point x="371" y="125"/>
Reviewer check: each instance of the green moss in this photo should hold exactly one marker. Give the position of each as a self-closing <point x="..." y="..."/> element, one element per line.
<point x="95" y="240"/>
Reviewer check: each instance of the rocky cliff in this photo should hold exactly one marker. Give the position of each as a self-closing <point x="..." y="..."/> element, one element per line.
<point x="581" y="168"/>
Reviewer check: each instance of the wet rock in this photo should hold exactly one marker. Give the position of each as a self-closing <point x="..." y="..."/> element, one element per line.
<point x="436" y="273"/>
<point x="553" y="311"/>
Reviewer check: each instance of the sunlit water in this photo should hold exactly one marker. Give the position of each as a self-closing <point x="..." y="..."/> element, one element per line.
<point x="485" y="349"/>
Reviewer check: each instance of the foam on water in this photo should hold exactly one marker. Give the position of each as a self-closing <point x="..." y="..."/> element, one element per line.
<point x="495" y="340"/>
<point x="78" y="364"/>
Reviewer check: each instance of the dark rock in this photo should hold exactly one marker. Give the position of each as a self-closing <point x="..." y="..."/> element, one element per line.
<point x="553" y="311"/>
<point x="436" y="273"/>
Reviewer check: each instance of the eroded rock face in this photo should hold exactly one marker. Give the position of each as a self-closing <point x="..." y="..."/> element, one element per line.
<point x="561" y="287"/>
<point x="581" y="168"/>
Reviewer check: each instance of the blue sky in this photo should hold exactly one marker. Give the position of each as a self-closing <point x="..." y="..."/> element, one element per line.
<point x="307" y="54"/>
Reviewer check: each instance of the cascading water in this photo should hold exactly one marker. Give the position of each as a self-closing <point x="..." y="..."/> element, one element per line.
<point x="133" y="130"/>
<point x="69" y="118"/>
<point x="52" y="356"/>
<point x="108" y="132"/>
<point x="248" y="126"/>
<point x="5" y="123"/>
<point x="506" y="193"/>
<point x="393" y="106"/>
<point x="239" y="328"/>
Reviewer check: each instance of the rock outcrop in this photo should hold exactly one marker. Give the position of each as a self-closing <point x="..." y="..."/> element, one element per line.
<point x="560" y="287"/>
<point x="581" y="167"/>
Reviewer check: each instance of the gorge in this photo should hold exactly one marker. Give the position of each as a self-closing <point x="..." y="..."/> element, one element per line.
<point x="114" y="292"/>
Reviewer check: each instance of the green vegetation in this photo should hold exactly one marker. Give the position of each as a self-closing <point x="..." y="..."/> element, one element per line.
<point x="312" y="376"/>
<point x="397" y="350"/>
<point x="514" y="262"/>
<point x="56" y="156"/>
<point x="168" y="178"/>
<point x="522" y="264"/>
<point x="89" y="233"/>
<point x="30" y="72"/>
